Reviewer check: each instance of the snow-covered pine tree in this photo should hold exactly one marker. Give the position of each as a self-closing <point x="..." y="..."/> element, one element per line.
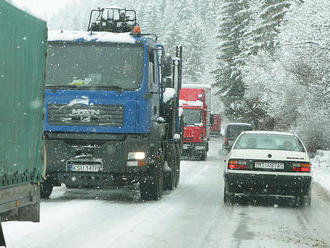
<point x="234" y="18"/>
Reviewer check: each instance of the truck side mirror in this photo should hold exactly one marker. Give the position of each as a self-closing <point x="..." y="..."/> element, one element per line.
<point x="166" y="66"/>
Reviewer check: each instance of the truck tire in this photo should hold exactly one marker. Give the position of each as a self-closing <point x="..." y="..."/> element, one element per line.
<point x="46" y="188"/>
<point x="203" y="156"/>
<point x="170" y="177"/>
<point x="178" y="162"/>
<point x="151" y="187"/>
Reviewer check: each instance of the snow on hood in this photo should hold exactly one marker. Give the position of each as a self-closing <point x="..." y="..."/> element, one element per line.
<point x="197" y="103"/>
<point x="69" y="35"/>
<point x="169" y="94"/>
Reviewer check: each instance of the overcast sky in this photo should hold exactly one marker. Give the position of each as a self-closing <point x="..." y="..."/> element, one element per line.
<point x="42" y="8"/>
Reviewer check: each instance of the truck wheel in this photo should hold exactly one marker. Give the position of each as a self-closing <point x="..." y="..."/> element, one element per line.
<point x="46" y="188"/>
<point x="170" y="177"/>
<point x="203" y="156"/>
<point x="151" y="187"/>
<point x="178" y="162"/>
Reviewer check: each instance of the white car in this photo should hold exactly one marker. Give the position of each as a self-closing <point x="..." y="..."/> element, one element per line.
<point x="268" y="163"/>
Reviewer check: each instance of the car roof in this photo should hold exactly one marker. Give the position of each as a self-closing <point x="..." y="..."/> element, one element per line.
<point x="271" y="132"/>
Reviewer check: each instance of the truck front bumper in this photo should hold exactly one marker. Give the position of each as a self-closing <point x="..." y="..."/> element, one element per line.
<point x="103" y="158"/>
<point x="194" y="148"/>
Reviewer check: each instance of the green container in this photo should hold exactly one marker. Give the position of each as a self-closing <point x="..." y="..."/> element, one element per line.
<point x="23" y="40"/>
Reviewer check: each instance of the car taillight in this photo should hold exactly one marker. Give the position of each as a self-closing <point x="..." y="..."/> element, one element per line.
<point x="301" y="167"/>
<point x="237" y="165"/>
<point x="226" y="141"/>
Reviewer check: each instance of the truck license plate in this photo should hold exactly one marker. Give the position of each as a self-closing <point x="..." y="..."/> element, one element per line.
<point x="269" y="165"/>
<point x="85" y="167"/>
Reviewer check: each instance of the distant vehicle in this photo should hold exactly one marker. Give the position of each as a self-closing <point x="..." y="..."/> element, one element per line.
<point x="264" y="163"/>
<point x="23" y="48"/>
<point x="232" y="131"/>
<point x="195" y="101"/>
<point x="215" y="121"/>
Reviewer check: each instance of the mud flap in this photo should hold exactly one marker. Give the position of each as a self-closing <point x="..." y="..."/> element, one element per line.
<point x="2" y="237"/>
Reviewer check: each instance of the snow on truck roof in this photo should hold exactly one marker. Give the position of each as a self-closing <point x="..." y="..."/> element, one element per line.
<point x="84" y="36"/>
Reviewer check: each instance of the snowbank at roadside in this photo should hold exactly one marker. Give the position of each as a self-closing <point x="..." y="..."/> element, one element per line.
<point x="321" y="169"/>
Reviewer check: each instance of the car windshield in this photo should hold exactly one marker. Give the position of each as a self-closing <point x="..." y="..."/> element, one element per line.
<point x="269" y="142"/>
<point x="234" y="130"/>
<point x="192" y="117"/>
<point x="95" y="65"/>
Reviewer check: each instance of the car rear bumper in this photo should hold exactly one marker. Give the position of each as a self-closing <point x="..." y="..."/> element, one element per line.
<point x="261" y="184"/>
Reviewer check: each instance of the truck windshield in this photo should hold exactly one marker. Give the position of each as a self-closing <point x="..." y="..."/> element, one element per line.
<point x="95" y="65"/>
<point x="193" y="117"/>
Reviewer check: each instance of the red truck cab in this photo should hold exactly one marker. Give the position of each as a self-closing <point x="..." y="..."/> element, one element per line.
<point x="194" y="102"/>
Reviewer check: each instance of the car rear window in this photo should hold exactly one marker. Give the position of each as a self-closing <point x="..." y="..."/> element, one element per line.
<point x="235" y="130"/>
<point x="269" y="142"/>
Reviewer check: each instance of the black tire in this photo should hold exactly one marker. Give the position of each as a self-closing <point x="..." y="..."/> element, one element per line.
<point x="151" y="187"/>
<point x="203" y="156"/>
<point x="46" y="188"/>
<point x="178" y="164"/>
<point x="227" y="196"/>
<point x="170" y="176"/>
<point x="307" y="200"/>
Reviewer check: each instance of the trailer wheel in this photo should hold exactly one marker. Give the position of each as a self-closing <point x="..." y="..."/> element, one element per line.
<point x="151" y="187"/>
<point x="46" y="188"/>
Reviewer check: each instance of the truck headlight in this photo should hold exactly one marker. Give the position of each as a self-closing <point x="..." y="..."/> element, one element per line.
<point x="136" y="156"/>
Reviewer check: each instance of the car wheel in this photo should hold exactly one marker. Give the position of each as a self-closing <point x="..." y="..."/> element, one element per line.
<point x="308" y="198"/>
<point x="227" y="196"/>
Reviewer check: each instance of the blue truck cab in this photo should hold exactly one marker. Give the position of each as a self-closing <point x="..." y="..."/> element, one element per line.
<point x="106" y="120"/>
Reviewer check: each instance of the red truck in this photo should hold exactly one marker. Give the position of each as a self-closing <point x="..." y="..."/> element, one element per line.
<point x="195" y="102"/>
<point x="215" y="128"/>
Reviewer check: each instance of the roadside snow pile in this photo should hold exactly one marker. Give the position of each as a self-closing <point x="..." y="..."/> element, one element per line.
<point x="321" y="168"/>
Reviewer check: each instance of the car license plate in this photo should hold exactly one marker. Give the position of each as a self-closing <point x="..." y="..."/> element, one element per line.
<point x="269" y="165"/>
<point x="85" y="167"/>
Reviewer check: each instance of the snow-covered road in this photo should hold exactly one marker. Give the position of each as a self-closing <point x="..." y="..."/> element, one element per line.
<point x="191" y="216"/>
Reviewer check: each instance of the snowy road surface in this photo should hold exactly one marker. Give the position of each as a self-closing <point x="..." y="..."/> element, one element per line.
<point x="191" y="216"/>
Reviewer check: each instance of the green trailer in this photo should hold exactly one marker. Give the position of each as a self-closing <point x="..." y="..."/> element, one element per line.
<point x="23" y="41"/>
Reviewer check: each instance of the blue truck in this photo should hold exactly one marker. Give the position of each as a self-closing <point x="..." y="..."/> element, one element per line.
<point x="111" y="105"/>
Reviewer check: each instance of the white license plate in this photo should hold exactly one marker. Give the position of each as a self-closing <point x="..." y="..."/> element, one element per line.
<point x="85" y="167"/>
<point x="269" y="165"/>
<point x="186" y="146"/>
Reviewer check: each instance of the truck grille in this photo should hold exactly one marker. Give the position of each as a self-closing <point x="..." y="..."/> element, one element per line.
<point x="91" y="115"/>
